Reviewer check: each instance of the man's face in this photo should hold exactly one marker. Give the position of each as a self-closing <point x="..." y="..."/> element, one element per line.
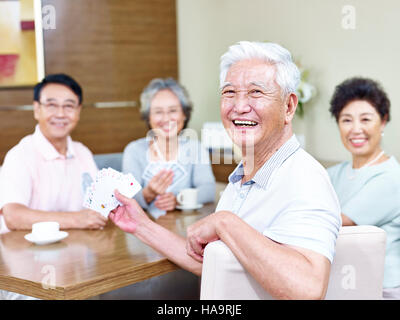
<point x="57" y="111"/>
<point x="252" y="109"/>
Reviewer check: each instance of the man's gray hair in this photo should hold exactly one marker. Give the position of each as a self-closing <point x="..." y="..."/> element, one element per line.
<point x="287" y="76"/>
<point x="159" y="84"/>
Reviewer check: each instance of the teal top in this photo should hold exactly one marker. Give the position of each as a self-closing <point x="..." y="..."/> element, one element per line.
<point x="371" y="196"/>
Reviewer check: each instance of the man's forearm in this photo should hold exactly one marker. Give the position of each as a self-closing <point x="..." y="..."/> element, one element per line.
<point x="168" y="244"/>
<point x="20" y="217"/>
<point x="282" y="270"/>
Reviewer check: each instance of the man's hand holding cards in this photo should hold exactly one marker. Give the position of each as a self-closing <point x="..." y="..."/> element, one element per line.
<point x="100" y="195"/>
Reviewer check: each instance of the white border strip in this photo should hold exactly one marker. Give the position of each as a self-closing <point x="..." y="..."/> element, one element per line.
<point x="37" y="7"/>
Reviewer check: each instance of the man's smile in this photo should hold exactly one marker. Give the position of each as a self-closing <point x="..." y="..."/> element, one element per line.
<point x="245" y="123"/>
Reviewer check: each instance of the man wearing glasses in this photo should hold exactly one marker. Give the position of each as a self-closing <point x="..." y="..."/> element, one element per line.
<point x="42" y="177"/>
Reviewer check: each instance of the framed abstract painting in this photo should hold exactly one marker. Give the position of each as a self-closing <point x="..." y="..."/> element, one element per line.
<point x="21" y="43"/>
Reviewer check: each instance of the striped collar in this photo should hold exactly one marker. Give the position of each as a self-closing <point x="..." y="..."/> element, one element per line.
<point x="263" y="175"/>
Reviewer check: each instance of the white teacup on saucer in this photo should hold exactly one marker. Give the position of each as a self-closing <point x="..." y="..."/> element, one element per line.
<point x="187" y="198"/>
<point x="189" y="208"/>
<point x="45" y="233"/>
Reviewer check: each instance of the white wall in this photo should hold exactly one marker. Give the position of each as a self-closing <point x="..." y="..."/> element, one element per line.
<point x="312" y="30"/>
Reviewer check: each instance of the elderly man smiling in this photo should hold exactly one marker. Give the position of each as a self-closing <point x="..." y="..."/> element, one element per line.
<point x="279" y="213"/>
<point x="42" y="176"/>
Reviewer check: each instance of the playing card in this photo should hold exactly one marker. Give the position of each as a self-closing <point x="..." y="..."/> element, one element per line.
<point x="154" y="167"/>
<point x="100" y="195"/>
<point x="86" y="181"/>
<point x="179" y="173"/>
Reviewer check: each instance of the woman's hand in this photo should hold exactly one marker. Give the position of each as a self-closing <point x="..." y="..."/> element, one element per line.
<point x="166" y="201"/>
<point x="128" y="216"/>
<point x="158" y="185"/>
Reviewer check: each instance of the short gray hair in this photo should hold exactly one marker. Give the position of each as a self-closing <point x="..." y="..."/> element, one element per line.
<point x="287" y="76"/>
<point x="159" y="84"/>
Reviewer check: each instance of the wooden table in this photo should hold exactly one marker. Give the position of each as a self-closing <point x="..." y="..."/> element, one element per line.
<point x="86" y="263"/>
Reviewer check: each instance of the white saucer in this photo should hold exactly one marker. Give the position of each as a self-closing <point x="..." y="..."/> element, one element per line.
<point x="42" y="241"/>
<point x="184" y="208"/>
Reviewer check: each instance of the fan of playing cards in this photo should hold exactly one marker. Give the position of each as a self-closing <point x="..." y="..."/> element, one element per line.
<point x="100" y="194"/>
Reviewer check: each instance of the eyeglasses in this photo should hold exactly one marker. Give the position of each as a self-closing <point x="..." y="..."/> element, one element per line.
<point x="161" y="113"/>
<point x="54" y="107"/>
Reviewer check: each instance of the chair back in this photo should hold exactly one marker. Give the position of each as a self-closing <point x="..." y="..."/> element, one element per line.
<point x="356" y="272"/>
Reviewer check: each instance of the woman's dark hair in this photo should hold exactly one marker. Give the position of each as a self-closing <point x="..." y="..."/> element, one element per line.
<point x="59" y="78"/>
<point x="360" y="89"/>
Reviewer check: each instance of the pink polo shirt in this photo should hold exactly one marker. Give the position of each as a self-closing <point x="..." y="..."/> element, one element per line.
<point x="35" y="174"/>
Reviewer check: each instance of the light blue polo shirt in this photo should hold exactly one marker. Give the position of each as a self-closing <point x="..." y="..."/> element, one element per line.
<point x="290" y="200"/>
<point x="371" y="196"/>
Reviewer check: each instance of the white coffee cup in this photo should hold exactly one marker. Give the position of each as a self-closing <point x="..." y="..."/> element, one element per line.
<point x="45" y="230"/>
<point x="187" y="198"/>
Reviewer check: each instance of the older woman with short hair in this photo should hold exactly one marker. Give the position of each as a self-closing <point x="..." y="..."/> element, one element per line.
<point x="168" y="159"/>
<point x="157" y="85"/>
<point x="368" y="187"/>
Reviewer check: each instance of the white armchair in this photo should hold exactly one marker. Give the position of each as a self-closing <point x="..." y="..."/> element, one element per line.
<point x="356" y="272"/>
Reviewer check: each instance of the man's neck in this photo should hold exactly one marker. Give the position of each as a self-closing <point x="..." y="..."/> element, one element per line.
<point x="61" y="145"/>
<point x="255" y="158"/>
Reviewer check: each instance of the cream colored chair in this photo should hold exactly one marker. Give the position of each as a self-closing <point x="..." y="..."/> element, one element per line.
<point x="356" y="272"/>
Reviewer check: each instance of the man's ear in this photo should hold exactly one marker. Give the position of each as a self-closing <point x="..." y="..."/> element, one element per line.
<point x="36" y="109"/>
<point x="79" y="112"/>
<point x="290" y="107"/>
<point x="384" y="122"/>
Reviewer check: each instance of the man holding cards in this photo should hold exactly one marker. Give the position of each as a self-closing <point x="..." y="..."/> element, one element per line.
<point x="279" y="214"/>
<point x="100" y="196"/>
<point x="167" y="160"/>
<point x="43" y="176"/>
